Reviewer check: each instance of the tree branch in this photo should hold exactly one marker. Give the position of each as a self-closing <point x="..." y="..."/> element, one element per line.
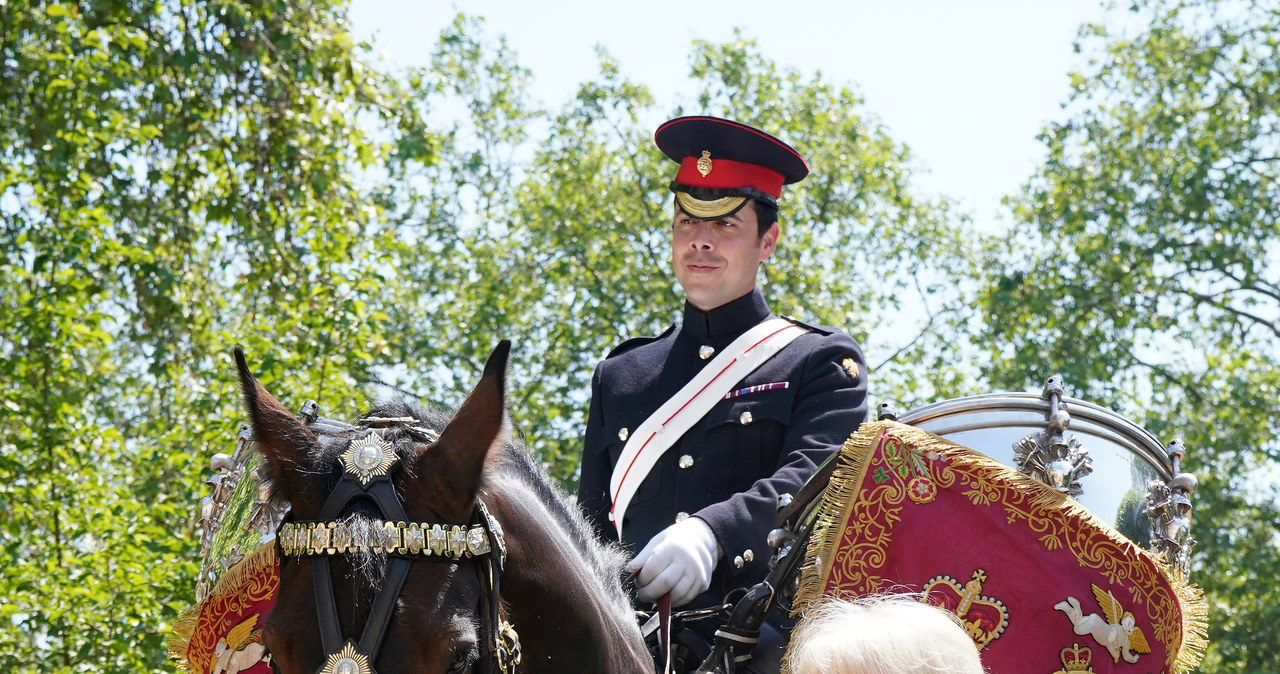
<point x="1273" y="326"/>
<point x="923" y="331"/>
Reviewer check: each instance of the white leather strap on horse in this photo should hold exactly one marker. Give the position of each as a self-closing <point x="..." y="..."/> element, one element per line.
<point x="661" y="430"/>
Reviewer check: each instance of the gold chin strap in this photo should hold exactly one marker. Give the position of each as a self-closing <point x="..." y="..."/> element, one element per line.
<point x="708" y="209"/>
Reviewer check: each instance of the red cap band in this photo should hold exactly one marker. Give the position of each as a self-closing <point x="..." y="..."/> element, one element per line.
<point x="729" y="174"/>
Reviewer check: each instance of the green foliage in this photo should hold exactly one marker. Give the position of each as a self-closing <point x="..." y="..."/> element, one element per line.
<point x="173" y="179"/>
<point x="177" y="178"/>
<point x="1143" y="268"/>
<point x="564" y="246"/>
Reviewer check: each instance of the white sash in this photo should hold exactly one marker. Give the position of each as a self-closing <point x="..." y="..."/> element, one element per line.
<point x="661" y="430"/>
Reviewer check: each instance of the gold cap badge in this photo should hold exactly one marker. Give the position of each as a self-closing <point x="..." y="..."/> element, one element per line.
<point x="704" y="163"/>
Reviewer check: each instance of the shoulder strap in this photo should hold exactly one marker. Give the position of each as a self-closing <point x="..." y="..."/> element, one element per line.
<point x="661" y="430"/>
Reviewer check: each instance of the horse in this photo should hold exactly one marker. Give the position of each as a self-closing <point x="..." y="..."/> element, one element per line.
<point x="421" y="543"/>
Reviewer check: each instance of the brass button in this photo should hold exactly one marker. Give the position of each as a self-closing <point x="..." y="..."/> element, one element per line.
<point x="622" y="434"/>
<point x="706" y="351"/>
<point x="748" y="556"/>
<point x="680" y="517"/>
<point x="686" y="461"/>
<point x="745" y="418"/>
<point x="738" y="562"/>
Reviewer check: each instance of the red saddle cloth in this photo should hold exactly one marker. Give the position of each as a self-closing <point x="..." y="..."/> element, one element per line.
<point x="223" y="633"/>
<point x="1038" y="582"/>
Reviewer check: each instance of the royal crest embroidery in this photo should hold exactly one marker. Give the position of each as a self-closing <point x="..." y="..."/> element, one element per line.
<point x="704" y="163"/>
<point x="1076" y="660"/>
<point x="222" y="634"/>
<point x="368" y="457"/>
<point x="1118" y="632"/>
<point x="983" y="617"/>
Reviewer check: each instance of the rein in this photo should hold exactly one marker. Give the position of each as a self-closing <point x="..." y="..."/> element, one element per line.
<point x="368" y="465"/>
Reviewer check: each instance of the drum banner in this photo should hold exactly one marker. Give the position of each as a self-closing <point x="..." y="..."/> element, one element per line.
<point x="1038" y="582"/>
<point x="223" y="633"/>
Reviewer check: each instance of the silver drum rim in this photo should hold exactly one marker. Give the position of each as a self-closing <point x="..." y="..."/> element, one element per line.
<point x="1100" y="420"/>
<point x="1126" y="459"/>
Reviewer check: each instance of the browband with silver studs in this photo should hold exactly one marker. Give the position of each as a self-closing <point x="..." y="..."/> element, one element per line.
<point x="301" y="539"/>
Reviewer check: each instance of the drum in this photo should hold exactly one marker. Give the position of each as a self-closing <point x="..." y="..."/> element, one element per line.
<point x="1106" y="462"/>
<point x="896" y="511"/>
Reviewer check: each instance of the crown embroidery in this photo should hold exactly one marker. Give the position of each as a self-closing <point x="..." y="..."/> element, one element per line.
<point x="983" y="617"/>
<point x="1076" y="660"/>
<point x="704" y="163"/>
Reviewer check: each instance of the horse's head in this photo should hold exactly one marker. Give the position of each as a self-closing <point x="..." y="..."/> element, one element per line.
<point x="401" y="577"/>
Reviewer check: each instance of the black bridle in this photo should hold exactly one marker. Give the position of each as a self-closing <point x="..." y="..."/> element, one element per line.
<point x="368" y="466"/>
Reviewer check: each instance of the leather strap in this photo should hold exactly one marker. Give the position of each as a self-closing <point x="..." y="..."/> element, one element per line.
<point x="383" y="605"/>
<point x="664" y="631"/>
<point x="326" y="607"/>
<point x="384" y="496"/>
<point x="690" y="404"/>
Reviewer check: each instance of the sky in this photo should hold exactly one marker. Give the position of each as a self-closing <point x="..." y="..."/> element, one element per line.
<point x="967" y="86"/>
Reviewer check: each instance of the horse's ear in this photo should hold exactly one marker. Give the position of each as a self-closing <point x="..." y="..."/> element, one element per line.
<point x="465" y="441"/>
<point x="282" y="439"/>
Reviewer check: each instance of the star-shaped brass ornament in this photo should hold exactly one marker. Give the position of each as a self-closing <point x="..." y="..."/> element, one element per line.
<point x="347" y="661"/>
<point x="368" y="457"/>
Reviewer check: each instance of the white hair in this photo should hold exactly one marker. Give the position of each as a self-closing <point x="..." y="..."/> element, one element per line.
<point x="881" y="634"/>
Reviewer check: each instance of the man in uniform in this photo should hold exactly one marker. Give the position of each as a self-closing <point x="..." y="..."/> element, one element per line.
<point x="698" y="518"/>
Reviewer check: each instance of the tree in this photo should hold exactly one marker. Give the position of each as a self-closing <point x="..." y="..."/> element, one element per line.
<point x="589" y="219"/>
<point x="1143" y="268"/>
<point x="174" y="178"/>
<point x="177" y="178"/>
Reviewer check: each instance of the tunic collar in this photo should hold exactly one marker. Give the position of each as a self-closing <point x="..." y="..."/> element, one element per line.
<point x="727" y="320"/>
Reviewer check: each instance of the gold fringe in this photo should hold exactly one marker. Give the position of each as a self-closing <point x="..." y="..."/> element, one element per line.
<point x="183" y="630"/>
<point x="179" y="639"/>
<point x="850" y="473"/>
<point x="1195" y="621"/>
<point x="836" y="500"/>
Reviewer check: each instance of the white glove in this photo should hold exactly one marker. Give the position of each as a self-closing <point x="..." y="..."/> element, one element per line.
<point x="678" y="560"/>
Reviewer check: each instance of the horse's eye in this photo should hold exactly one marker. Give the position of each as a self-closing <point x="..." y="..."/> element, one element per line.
<point x="463" y="658"/>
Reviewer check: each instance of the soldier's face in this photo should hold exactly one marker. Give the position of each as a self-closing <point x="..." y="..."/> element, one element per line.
<point x="716" y="260"/>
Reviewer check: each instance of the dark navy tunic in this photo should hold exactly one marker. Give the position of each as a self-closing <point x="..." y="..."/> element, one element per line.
<point x="731" y="467"/>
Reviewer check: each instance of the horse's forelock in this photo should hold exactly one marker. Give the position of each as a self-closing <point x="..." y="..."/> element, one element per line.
<point x="512" y="457"/>
<point x="325" y="457"/>
<point x="361" y="517"/>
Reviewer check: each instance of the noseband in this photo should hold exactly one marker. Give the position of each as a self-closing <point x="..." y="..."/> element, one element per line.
<point x="368" y="465"/>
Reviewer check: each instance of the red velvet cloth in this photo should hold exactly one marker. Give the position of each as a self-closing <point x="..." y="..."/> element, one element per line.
<point x="232" y="615"/>
<point x="908" y="512"/>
